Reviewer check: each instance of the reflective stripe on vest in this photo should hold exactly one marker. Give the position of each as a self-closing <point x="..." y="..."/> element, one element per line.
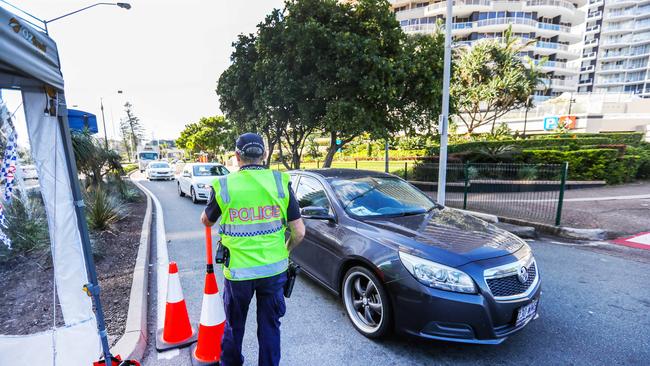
<point x="241" y="230"/>
<point x="278" y="183"/>
<point x="259" y="271"/>
<point x="223" y="182"/>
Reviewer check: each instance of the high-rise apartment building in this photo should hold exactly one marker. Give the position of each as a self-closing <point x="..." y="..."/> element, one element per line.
<point x="555" y="25"/>
<point x="616" y="47"/>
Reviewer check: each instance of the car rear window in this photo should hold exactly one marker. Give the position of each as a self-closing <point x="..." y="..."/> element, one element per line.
<point x="159" y="165"/>
<point x="209" y="170"/>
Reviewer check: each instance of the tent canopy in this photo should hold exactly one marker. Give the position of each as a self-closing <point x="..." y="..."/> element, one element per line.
<point x="80" y="120"/>
<point x="29" y="62"/>
<point x="28" y="57"/>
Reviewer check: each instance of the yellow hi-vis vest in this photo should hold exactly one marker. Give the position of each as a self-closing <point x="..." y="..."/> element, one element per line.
<point x="253" y="220"/>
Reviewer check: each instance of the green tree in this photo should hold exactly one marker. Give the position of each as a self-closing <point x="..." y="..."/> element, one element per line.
<point x="490" y="79"/>
<point x="93" y="160"/>
<point x="131" y="128"/>
<point x="214" y="135"/>
<point x="324" y="65"/>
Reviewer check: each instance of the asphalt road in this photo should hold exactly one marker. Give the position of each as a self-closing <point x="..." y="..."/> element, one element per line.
<point x="594" y="310"/>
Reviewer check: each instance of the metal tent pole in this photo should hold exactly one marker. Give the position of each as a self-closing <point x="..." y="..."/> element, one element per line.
<point x="92" y="288"/>
<point x="444" y="116"/>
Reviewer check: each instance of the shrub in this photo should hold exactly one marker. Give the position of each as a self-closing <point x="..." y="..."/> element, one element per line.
<point x="103" y="209"/>
<point x="592" y="164"/>
<point x="26" y="227"/>
<point x="643" y="153"/>
<point x="527" y="172"/>
<point x="128" y="168"/>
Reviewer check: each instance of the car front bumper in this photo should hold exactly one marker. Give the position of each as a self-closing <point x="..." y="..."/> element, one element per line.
<point x="450" y="316"/>
<point x="203" y="193"/>
<point x="161" y="175"/>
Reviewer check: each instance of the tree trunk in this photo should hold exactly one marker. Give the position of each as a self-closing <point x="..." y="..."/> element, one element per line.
<point x="330" y="151"/>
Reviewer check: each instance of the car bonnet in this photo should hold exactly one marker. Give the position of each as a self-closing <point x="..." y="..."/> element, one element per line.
<point x="452" y="231"/>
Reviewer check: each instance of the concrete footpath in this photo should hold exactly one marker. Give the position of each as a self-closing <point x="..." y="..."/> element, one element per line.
<point x="620" y="210"/>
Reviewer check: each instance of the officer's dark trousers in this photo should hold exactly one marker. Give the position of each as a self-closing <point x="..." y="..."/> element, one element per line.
<point x="237" y="296"/>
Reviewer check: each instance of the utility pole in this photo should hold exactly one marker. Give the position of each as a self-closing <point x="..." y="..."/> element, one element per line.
<point x="444" y="116"/>
<point x="101" y="102"/>
<point x="526" y="113"/>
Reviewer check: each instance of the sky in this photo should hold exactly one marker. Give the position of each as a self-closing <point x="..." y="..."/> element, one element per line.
<point x="166" y="56"/>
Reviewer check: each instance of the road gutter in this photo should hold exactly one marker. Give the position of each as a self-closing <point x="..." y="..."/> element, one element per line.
<point x="162" y="257"/>
<point x="133" y="342"/>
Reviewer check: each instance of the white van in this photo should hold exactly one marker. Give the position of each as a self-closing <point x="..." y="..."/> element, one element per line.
<point x="146" y="157"/>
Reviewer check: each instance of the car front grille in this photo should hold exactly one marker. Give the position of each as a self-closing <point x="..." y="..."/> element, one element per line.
<point x="510" y="285"/>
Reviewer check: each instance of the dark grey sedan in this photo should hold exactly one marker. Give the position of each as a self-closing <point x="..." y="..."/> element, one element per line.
<point x="400" y="261"/>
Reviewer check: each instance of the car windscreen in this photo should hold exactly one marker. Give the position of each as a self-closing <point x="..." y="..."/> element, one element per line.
<point x="148" y="156"/>
<point x="209" y="170"/>
<point x="380" y="196"/>
<point x="159" y="165"/>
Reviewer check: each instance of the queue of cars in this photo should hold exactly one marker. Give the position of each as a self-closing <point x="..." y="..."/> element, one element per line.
<point x="400" y="261"/>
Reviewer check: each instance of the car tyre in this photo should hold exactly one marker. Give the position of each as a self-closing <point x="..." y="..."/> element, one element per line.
<point x="180" y="191"/>
<point x="366" y="302"/>
<point x="193" y="195"/>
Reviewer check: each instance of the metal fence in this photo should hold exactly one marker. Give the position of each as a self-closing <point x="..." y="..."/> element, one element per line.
<point x="522" y="191"/>
<point x="531" y="192"/>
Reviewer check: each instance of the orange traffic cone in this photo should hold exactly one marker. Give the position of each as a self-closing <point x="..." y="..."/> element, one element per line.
<point x="207" y="350"/>
<point x="177" y="331"/>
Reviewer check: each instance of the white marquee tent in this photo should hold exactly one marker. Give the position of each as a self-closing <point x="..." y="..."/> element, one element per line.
<point x="29" y="62"/>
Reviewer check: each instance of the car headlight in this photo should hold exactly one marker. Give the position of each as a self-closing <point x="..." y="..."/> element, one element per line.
<point x="200" y="185"/>
<point x="436" y="275"/>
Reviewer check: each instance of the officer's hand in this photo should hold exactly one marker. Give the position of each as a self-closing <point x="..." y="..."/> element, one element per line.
<point x="205" y="221"/>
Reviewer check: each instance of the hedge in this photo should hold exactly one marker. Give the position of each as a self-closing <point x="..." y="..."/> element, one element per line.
<point x="528" y="144"/>
<point x="590" y="164"/>
<point x="629" y="138"/>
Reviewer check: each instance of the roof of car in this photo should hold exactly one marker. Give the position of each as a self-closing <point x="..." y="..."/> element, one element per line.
<point x="344" y="173"/>
<point x="197" y="163"/>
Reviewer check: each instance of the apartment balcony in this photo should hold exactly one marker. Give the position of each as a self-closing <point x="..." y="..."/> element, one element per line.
<point x="420" y="28"/>
<point x="593" y="29"/>
<point x="589" y="68"/>
<point x="585" y="82"/>
<point x="549" y="48"/>
<point x="609" y="81"/>
<point x="592" y="17"/>
<point x="588" y="55"/>
<point x="616" y="15"/>
<point x="461" y="7"/>
<point x="559" y="85"/>
<point x="616" y="42"/>
<point x="592" y="42"/>
<point x="596" y="3"/>
<point x="557" y="67"/>
<point x="617" y="28"/>
<point x="409" y="14"/>
<point x="613" y="56"/>
<point x="619" y="3"/>
<point x="611" y="69"/>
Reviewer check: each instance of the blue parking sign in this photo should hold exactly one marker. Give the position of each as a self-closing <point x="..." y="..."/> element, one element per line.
<point x="550" y="123"/>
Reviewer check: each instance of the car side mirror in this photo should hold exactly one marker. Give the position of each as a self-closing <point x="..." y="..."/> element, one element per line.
<point x="316" y="213"/>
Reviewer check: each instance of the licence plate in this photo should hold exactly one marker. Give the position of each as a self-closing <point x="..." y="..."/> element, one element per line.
<point x="526" y="312"/>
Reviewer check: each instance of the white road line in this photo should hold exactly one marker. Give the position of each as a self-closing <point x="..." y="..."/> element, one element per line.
<point x="162" y="257"/>
<point x="641" y="239"/>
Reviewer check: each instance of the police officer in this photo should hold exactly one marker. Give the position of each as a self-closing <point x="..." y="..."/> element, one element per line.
<point x="254" y="206"/>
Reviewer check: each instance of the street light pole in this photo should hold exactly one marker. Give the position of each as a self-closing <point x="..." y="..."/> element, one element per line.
<point x="444" y="115"/>
<point x="126" y="6"/>
<point x="101" y="102"/>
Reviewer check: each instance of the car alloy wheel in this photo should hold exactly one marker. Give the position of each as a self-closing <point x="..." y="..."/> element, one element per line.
<point x="366" y="302"/>
<point x="180" y="191"/>
<point x="193" y="195"/>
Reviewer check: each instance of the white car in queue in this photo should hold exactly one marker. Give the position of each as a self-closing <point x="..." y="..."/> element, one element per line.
<point x="159" y="170"/>
<point x="196" y="179"/>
